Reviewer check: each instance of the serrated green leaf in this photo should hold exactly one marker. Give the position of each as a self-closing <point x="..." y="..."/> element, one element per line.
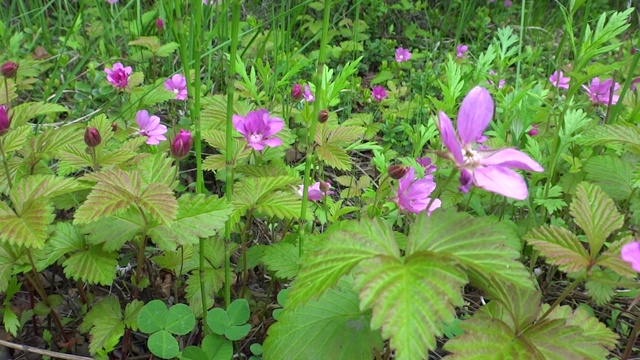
<point x="94" y="266"/>
<point x="22" y="113"/>
<point x="281" y="204"/>
<point x="167" y="49"/>
<point x="483" y="246"/>
<point x="596" y="214"/>
<point x="158" y="201"/>
<point x="331" y="327"/>
<point x="213" y="281"/>
<point x="282" y="258"/>
<point x="611" y="259"/>
<point x="105" y="322"/>
<point x="10" y="321"/>
<point x="561" y="248"/>
<point x="601" y="285"/>
<point x="163" y="345"/>
<point x="41" y="187"/>
<point x="131" y="312"/>
<point x="115" y="190"/>
<point x="7" y="261"/>
<point x="409" y="300"/>
<point x="153" y="316"/>
<point x="65" y="239"/>
<point x="612" y="136"/>
<point x="15" y="138"/>
<point x="334" y="156"/>
<point x="72" y="158"/>
<point x="612" y="174"/>
<point x="114" y="231"/>
<point x="179" y="320"/>
<point x="159" y="169"/>
<point x="31" y="229"/>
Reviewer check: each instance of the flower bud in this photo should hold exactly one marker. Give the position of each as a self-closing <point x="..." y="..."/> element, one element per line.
<point x="324" y="186"/>
<point x="181" y="145"/>
<point x="296" y="92"/>
<point x="397" y="171"/>
<point x="534" y="130"/>
<point x="5" y="120"/>
<point x="92" y="137"/>
<point x="114" y="126"/>
<point x="160" y="24"/>
<point x="323" y="115"/>
<point x="9" y="69"/>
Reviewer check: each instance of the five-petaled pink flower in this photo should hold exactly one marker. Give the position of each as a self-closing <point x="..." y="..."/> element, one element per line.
<point x="413" y="194"/>
<point x="258" y="127"/>
<point x="308" y="95"/>
<point x="559" y="80"/>
<point x="402" y="55"/>
<point x="631" y="254"/>
<point x="150" y="127"/>
<point x="316" y="191"/>
<point x="178" y="85"/>
<point x="487" y="169"/>
<point x="461" y="50"/>
<point x="119" y="75"/>
<point x="600" y="91"/>
<point x="378" y="93"/>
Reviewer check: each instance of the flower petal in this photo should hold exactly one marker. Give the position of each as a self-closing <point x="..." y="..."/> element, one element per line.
<point x="511" y="158"/>
<point x="238" y="124"/>
<point x="449" y="137"/>
<point x="501" y="180"/>
<point x="475" y="114"/>
<point x="273" y="142"/>
<point x="142" y="118"/>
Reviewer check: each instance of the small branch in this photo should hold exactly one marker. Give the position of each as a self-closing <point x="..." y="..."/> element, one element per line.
<point x="38" y="351"/>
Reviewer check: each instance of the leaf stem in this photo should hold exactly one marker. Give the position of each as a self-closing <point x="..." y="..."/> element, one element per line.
<point x="562" y="296"/>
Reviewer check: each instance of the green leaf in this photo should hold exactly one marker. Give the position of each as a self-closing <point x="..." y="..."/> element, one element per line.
<point x="41" y="187"/>
<point x="601" y="285"/>
<point x="331" y="327"/>
<point x="159" y="169"/>
<point x="7" y="261"/>
<point x="105" y="322"/>
<point x="561" y="248"/>
<point x="612" y="174"/>
<point x="334" y="156"/>
<point x="163" y="345"/>
<point x="158" y="201"/>
<point x="15" y="138"/>
<point x="596" y="214"/>
<point x="281" y="204"/>
<point x="65" y="239"/>
<point x="22" y="113"/>
<point x="114" y="231"/>
<point x="612" y="136"/>
<point x="611" y="259"/>
<point x="167" y="49"/>
<point x="31" y="229"/>
<point x="115" y="190"/>
<point x="483" y="246"/>
<point x="131" y="312"/>
<point x="238" y="312"/>
<point x="180" y="320"/>
<point x="214" y="347"/>
<point x="94" y="266"/>
<point x="282" y="258"/>
<point x="153" y="316"/>
<point x="410" y="300"/>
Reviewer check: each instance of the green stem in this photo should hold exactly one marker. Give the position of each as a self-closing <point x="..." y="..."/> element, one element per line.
<point x="562" y="296"/>
<point x="94" y="158"/>
<point x="6" y="164"/>
<point x="631" y="341"/>
<point x="440" y="189"/>
<point x="243" y="246"/>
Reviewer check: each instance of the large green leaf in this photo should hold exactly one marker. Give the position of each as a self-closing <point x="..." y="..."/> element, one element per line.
<point x="282" y="258"/>
<point x="158" y="201"/>
<point x="612" y="174"/>
<point x="213" y="281"/>
<point x="114" y="231"/>
<point x="334" y="156"/>
<point x="611" y="259"/>
<point x="281" y="204"/>
<point x="484" y="246"/>
<point x="561" y="248"/>
<point x="22" y="113"/>
<point x="15" y="138"/>
<point x="410" y="299"/>
<point x="596" y="214"/>
<point x="105" y="322"/>
<point x="41" y="187"/>
<point x="114" y="191"/>
<point x="94" y="266"/>
<point x="158" y="168"/>
<point x="65" y="239"/>
<point x="331" y="327"/>
<point x="7" y="262"/>
<point x="31" y="228"/>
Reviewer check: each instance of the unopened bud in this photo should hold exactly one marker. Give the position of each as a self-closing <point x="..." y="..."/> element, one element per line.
<point x="181" y="145"/>
<point x="92" y="137"/>
<point x="323" y="115"/>
<point x="160" y="24"/>
<point x="9" y="69"/>
<point x="5" y="120"/>
<point x="114" y="126"/>
<point x="296" y="92"/>
<point x="324" y="186"/>
<point x="397" y="171"/>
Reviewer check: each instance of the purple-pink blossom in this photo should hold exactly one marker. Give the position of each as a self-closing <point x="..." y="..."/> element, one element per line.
<point x="631" y="254"/>
<point x="558" y="80"/>
<point x="633" y="83"/>
<point x="112" y="1"/>
<point x="258" y="128"/>
<point x="402" y="55"/>
<point x="316" y="191"/>
<point x="488" y="169"/>
<point x="535" y="130"/>
<point x="178" y="85"/>
<point x="461" y="50"/>
<point x="508" y="3"/>
<point x="378" y="93"/>
<point x="413" y="194"/>
<point x="308" y="94"/>
<point x="150" y="127"/>
<point x="118" y="76"/>
<point x="600" y="91"/>
<point x="500" y="82"/>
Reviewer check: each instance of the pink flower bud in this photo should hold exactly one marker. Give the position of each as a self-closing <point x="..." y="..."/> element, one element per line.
<point x="92" y="137"/>
<point x="9" y="69"/>
<point x="160" y="24"/>
<point x="181" y="145"/>
<point x="397" y="171"/>
<point x="296" y="92"/>
<point x="5" y="120"/>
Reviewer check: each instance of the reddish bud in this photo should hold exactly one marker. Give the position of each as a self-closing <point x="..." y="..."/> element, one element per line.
<point x="160" y="24"/>
<point x="181" y="145"/>
<point x="114" y="126"/>
<point x="9" y="69"/>
<point x="534" y="130"/>
<point x="324" y="186"/>
<point x="5" y="120"/>
<point x="296" y="92"/>
<point x="92" y="137"/>
<point x="323" y="115"/>
<point x="397" y="171"/>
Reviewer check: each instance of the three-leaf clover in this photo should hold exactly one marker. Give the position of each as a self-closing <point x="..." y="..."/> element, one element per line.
<point x="161" y="322"/>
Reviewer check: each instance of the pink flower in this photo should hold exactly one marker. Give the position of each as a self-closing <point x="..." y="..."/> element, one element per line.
<point x="426" y="163"/>
<point x="258" y="127"/>
<point x="633" y="83"/>
<point x="160" y="24"/>
<point x="315" y="191"/>
<point x="461" y="50"/>
<point x="119" y="75"/>
<point x="487" y="169"/>
<point x="378" y="93"/>
<point x="500" y="82"/>
<point x="600" y="92"/>
<point x="559" y="80"/>
<point x="535" y="130"/>
<point x="508" y="3"/>
<point x="402" y="55"/>
<point x="178" y="85"/>
<point x="413" y="194"/>
<point x="5" y="120"/>
<point x="308" y="95"/>
<point x="181" y="144"/>
<point x="112" y="1"/>
<point x="631" y="254"/>
<point x="150" y="127"/>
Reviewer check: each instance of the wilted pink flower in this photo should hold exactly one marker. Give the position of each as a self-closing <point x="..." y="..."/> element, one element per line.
<point x="178" y="85"/>
<point x="487" y="169"/>
<point x="559" y="80"/>
<point x="500" y="82"/>
<point x="378" y="93"/>
<point x="150" y="127"/>
<point x="461" y="50"/>
<point x="413" y="194"/>
<point x="119" y="75"/>
<point x="181" y="144"/>
<point x="631" y="254"/>
<point x="258" y="127"/>
<point x="296" y="92"/>
<point x="5" y="120"/>
<point x="308" y="95"/>
<point x="600" y="92"/>
<point x="534" y="130"/>
<point x="315" y="192"/>
<point x="402" y="55"/>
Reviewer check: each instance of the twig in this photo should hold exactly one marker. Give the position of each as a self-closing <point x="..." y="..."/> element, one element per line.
<point x="38" y="351"/>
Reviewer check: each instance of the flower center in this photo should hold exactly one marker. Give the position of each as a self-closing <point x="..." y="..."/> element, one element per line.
<point x="255" y="138"/>
<point x="176" y="91"/>
<point x="471" y="158"/>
